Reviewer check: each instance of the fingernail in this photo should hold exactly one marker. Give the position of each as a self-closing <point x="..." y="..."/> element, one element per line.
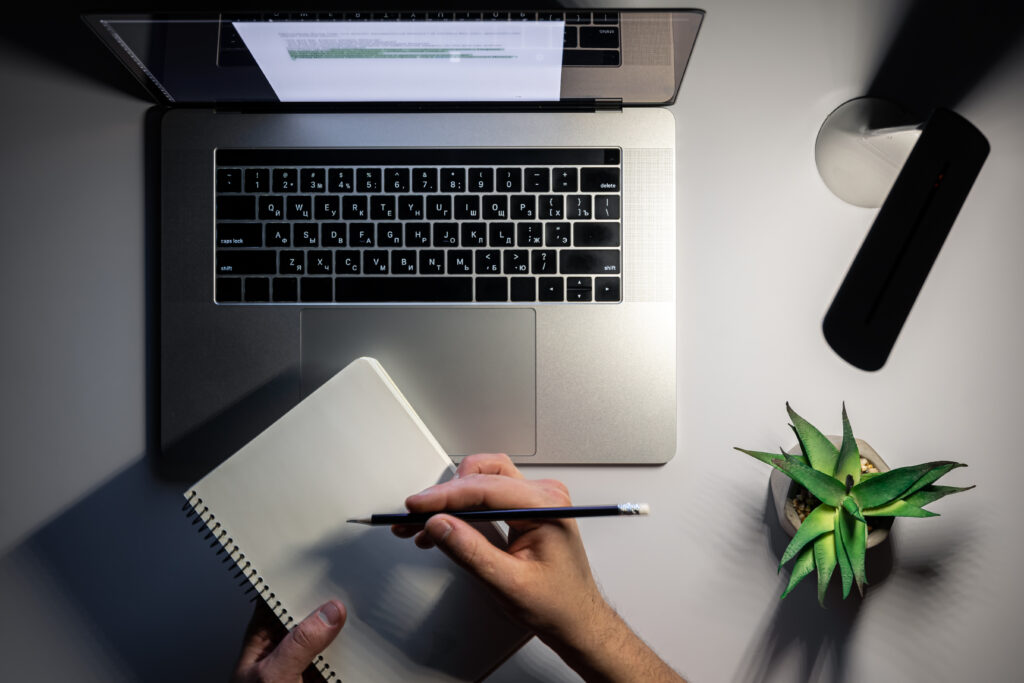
<point x="439" y="532"/>
<point x="330" y="614"/>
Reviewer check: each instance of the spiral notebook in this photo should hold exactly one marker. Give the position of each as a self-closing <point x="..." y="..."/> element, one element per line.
<point x="277" y="509"/>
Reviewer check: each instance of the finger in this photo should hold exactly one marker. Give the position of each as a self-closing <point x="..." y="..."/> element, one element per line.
<point x="488" y="463"/>
<point x="469" y="549"/>
<point x="480" y="491"/>
<point x="263" y="632"/>
<point x="296" y="652"/>
<point x="406" y="530"/>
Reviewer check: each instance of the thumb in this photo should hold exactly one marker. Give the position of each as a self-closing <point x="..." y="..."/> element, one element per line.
<point x="468" y="548"/>
<point x="296" y="651"/>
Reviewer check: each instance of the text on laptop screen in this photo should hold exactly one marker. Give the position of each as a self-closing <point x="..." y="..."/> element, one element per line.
<point x="400" y="61"/>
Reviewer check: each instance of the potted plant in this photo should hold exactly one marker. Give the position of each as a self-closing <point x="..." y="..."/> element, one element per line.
<point x="842" y="495"/>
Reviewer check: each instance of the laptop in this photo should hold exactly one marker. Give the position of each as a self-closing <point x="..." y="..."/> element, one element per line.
<point x="483" y="201"/>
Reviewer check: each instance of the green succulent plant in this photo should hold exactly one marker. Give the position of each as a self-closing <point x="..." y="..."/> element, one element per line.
<point x="835" y="532"/>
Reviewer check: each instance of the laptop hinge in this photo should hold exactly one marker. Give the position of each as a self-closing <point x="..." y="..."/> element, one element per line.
<point x="608" y="104"/>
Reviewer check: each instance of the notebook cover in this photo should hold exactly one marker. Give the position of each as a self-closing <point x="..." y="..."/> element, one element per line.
<point x="278" y="506"/>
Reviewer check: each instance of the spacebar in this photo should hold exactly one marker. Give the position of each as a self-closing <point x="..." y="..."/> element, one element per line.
<point x="356" y="289"/>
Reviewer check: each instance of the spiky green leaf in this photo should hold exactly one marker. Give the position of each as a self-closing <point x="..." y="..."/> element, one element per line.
<point x="821" y="452"/>
<point x="850" y="505"/>
<point x="766" y="458"/>
<point x="899" y="508"/>
<point x="848" y="463"/>
<point x="825" y="561"/>
<point x="855" y="539"/>
<point x="890" y="485"/>
<point x="932" y="493"/>
<point x="819" y="521"/>
<point x="823" y="487"/>
<point x="931" y="476"/>
<point x="845" y="569"/>
<point x="803" y="566"/>
<point x="799" y="457"/>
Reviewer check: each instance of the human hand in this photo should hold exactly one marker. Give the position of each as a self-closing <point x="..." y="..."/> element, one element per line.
<point x="272" y="654"/>
<point x="543" y="578"/>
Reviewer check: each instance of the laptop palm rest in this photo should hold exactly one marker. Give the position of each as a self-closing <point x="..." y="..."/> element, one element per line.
<point x="470" y="374"/>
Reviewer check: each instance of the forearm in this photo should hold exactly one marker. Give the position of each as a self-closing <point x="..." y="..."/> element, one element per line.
<point x="604" y="649"/>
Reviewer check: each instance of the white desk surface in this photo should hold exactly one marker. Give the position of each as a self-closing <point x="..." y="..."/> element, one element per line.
<point x="102" y="581"/>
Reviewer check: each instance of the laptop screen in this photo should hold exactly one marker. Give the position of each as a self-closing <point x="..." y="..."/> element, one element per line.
<point x="635" y="57"/>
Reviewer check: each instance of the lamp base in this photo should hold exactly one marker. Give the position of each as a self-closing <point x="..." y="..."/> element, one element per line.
<point x="861" y="148"/>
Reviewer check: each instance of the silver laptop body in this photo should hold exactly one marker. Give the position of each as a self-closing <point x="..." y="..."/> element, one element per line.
<point x="547" y="382"/>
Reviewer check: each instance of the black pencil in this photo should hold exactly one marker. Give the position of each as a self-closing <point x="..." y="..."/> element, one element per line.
<point x="419" y="518"/>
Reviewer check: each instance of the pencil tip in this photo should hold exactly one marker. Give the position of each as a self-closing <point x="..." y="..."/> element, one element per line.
<point x="358" y="521"/>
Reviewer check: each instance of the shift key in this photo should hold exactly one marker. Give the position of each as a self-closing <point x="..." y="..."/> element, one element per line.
<point x="587" y="261"/>
<point x="239" y="262"/>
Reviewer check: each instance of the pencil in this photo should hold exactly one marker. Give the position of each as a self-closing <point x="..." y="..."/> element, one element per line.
<point x="419" y="518"/>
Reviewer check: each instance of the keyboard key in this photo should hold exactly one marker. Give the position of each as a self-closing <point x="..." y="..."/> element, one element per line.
<point x="239" y="235"/>
<point x="606" y="17"/>
<point x="460" y="261"/>
<point x="375" y="262"/>
<point x="552" y="207"/>
<point x="236" y="207"/>
<point x="410" y="207"/>
<point x="389" y="234"/>
<point x="563" y="179"/>
<point x="439" y="207"/>
<point x="326" y="208"/>
<point x="299" y="208"/>
<point x="396" y="180"/>
<point x="360" y="234"/>
<point x="257" y="180"/>
<point x="606" y="206"/>
<point x="467" y="207"/>
<point x="403" y="289"/>
<point x="446" y="234"/>
<point x="509" y="180"/>
<point x="550" y="289"/>
<point x="481" y="180"/>
<point x="590" y="58"/>
<point x="293" y="262"/>
<point x="229" y="289"/>
<point x="271" y="208"/>
<point x="492" y="289"/>
<point x="570" y="37"/>
<point x="488" y="261"/>
<point x="516" y="262"/>
<point x="578" y="289"/>
<point x="453" y="180"/>
<point x="312" y="180"/>
<point x="501" y="235"/>
<point x="524" y="207"/>
<point x="424" y="180"/>
<point x="542" y="262"/>
<point x="229" y="180"/>
<point x="333" y="235"/>
<point x="474" y="235"/>
<point x="316" y="289"/>
<point x="606" y="289"/>
<point x="340" y="180"/>
<point x="523" y="289"/>
<point x="495" y="207"/>
<point x="578" y="206"/>
<point x="286" y="180"/>
<point x="286" y="289"/>
<point x="599" y="179"/>
<point x="578" y="295"/>
<point x="599" y="36"/>
<point x="588" y="234"/>
<point x="320" y="263"/>
<point x="353" y="207"/>
<point x="529" y="235"/>
<point x="382" y="208"/>
<point x="556" y="235"/>
<point x="305" y="235"/>
<point x="238" y="262"/>
<point x="432" y="261"/>
<point x="368" y="180"/>
<point x="537" y="180"/>
<point x="278" y="235"/>
<point x="576" y="17"/>
<point x="257" y="289"/>
<point x="347" y="261"/>
<point x="417" y="234"/>
<point x="403" y="262"/>
<point x="589" y="261"/>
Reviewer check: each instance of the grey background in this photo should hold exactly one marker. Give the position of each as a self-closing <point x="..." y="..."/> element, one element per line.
<point x="101" y="579"/>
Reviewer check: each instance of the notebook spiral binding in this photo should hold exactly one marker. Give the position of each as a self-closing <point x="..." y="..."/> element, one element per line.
<point x="250" y="575"/>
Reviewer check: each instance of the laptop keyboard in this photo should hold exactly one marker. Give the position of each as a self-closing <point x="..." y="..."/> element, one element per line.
<point x="418" y="225"/>
<point x="590" y="38"/>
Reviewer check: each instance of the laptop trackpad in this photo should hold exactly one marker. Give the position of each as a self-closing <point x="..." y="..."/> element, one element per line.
<point x="468" y="372"/>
